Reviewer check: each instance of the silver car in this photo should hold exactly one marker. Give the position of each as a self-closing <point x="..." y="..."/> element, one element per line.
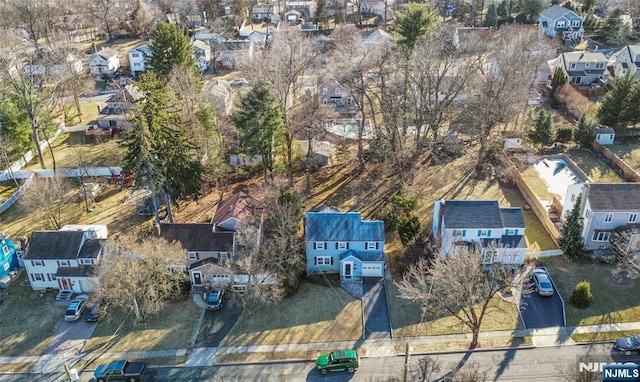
<point x="541" y="282"/>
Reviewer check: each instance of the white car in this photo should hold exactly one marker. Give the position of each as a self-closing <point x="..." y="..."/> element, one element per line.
<point x="239" y="82"/>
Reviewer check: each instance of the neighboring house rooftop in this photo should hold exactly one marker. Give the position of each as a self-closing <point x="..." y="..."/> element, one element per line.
<point x="344" y="226"/>
<point x="107" y="53"/>
<point x="197" y="236"/>
<point x="54" y="245"/>
<point x="480" y="214"/>
<point x="614" y="196"/>
<point x="556" y="11"/>
<point x="129" y="94"/>
<point x="239" y="206"/>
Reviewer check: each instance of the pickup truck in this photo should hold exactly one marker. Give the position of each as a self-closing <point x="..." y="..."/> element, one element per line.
<point x="120" y="371"/>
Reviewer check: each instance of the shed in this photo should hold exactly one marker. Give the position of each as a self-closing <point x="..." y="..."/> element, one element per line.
<point x="605" y="135"/>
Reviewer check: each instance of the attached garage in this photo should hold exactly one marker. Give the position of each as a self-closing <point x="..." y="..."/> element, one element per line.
<point x="372" y="269"/>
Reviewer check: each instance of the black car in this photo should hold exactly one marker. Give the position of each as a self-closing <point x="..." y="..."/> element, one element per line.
<point x="92" y="313"/>
<point x="627" y="345"/>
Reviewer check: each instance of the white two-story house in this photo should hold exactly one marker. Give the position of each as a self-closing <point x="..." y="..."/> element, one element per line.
<point x="104" y="62"/>
<point x="138" y="58"/>
<point x="628" y="62"/>
<point x="342" y="243"/>
<point x="581" y="68"/>
<point x="605" y="206"/>
<point x="498" y="231"/>
<point x="64" y="260"/>
<point x="560" y="20"/>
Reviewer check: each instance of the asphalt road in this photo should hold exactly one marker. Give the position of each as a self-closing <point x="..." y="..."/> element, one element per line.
<point x="216" y="324"/>
<point x="544" y="364"/>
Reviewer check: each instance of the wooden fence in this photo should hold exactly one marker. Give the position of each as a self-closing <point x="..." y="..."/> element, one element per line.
<point x="628" y="173"/>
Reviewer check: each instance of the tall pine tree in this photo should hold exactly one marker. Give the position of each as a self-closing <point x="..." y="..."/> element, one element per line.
<point x="170" y="47"/>
<point x="613" y="110"/>
<point x="571" y="242"/>
<point x="543" y="133"/>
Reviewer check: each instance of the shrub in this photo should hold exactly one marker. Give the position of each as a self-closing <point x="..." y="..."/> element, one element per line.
<point x="408" y="229"/>
<point x="564" y="134"/>
<point x="507" y="290"/>
<point x="581" y="296"/>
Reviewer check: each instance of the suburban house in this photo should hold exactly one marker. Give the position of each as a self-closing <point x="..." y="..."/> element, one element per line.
<point x="261" y="13"/>
<point x="201" y="54"/>
<point x="307" y="8"/>
<point x="384" y="9"/>
<point x="605" y="135"/>
<point x="342" y="243"/>
<point x="627" y="61"/>
<point x="138" y="57"/>
<point x="560" y="20"/>
<point x="104" y="62"/>
<point x="333" y="94"/>
<point x="581" y="68"/>
<point x="293" y="17"/>
<point x="115" y="114"/>
<point x="69" y="64"/>
<point x="605" y="206"/>
<point x="229" y="53"/>
<point x="8" y="259"/>
<point x="236" y="209"/>
<point x="202" y="243"/>
<point x="64" y="260"/>
<point x="497" y="231"/>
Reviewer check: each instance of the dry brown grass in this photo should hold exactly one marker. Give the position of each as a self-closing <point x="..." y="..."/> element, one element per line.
<point x="20" y="367"/>
<point x="484" y="343"/>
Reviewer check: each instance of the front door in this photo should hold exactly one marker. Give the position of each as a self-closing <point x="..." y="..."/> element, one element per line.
<point x="197" y="278"/>
<point x="348" y="267"/>
<point x="65" y="284"/>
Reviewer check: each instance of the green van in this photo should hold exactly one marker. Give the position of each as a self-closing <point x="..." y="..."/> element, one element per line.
<point x="338" y="360"/>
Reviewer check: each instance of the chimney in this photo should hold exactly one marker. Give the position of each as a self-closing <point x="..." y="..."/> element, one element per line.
<point x="23" y="242"/>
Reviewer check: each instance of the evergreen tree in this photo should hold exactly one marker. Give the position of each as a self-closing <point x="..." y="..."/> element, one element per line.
<point x="170" y="47"/>
<point x="558" y="80"/>
<point x="571" y="241"/>
<point x="613" y="109"/>
<point x="413" y="23"/>
<point x="491" y="19"/>
<point x="503" y="9"/>
<point x="14" y="124"/>
<point x="586" y="130"/>
<point x="260" y="121"/>
<point x="615" y="30"/>
<point x="632" y="111"/>
<point x="543" y="132"/>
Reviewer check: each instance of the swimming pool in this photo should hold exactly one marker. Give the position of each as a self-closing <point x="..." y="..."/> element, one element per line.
<point x="557" y="175"/>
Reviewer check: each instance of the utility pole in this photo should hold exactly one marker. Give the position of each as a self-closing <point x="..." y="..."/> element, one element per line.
<point x="407" y="352"/>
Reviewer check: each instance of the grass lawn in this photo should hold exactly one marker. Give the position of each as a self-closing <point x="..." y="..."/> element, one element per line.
<point x="596" y="169"/>
<point x="628" y="151"/>
<point x="611" y="302"/>
<point x="73" y="150"/>
<point x="406" y="318"/>
<point x="6" y="190"/>
<point x="602" y="336"/>
<point x="276" y="355"/>
<point x="171" y="328"/>
<point x="315" y="313"/>
<point x="483" y="343"/>
<point x="27" y="323"/>
<point x="537" y="185"/>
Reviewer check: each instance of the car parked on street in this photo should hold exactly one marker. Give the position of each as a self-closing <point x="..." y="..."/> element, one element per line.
<point x="214" y="298"/>
<point x="75" y="309"/>
<point x="628" y="345"/>
<point x="541" y="282"/>
<point x="339" y="360"/>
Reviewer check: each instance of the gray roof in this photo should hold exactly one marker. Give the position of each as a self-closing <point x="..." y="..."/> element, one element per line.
<point x="81" y="271"/>
<point x="555" y="12"/>
<point x="605" y="130"/>
<point x="363" y="255"/>
<point x="197" y="237"/>
<point x="472" y="214"/>
<point x="614" y="196"/>
<point x="512" y="217"/>
<point x="51" y="245"/>
<point x="342" y="226"/>
<point x="506" y="241"/>
<point x="107" y="53"/>
<point x="91" y="248"/>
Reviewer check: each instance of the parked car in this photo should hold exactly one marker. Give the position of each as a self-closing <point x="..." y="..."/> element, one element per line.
<point x="120" y="371"/>
<point x="239" y="82"/>
<point x="64" y="295"/>
<point x="338" y="360"/>
<point x="628" y="345"/>
<point x="75" y="309"/>
<point x="542" y="282"/>
<point x="214" y="298"/>
<point x="92" y="313"/>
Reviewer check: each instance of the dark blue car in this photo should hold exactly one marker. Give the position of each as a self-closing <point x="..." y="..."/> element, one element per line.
<point x="92" y="313"/>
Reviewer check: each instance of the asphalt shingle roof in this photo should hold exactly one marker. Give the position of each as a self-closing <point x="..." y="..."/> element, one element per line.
<point x="506" y="241"/>
<point x="363" y="255"/>
<point x="614" y="196"/>
<point x="53" y="245"/>
<point x="197" y="236"/>
<point x="344" y="226"/>
<point x="480" y="214"/>
<point x="512" y="217"/>
<point x="91" y="248"/>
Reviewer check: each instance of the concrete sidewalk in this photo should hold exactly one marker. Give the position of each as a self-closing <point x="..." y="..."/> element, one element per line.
<point x="375" y="347"/>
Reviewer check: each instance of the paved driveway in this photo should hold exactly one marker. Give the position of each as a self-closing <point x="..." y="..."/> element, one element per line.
<point x="216" y="324"/>
<point x="375" y="310"/>
<point x="71" y="337"/>
<point x="541" y="312"/>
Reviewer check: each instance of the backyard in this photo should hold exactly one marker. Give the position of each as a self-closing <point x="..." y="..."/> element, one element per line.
<point x="629" y="151"/>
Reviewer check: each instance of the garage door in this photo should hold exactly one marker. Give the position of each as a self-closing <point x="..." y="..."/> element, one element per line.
<point x="372" y="270"/>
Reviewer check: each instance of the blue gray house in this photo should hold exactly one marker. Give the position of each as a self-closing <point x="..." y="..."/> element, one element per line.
<point x="560" y="20"/>
<point x="8" y="258"/>
<point x="342" y="243"/>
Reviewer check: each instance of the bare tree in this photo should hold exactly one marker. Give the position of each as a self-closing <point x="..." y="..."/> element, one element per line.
<point x="624" y="243"/>
<point x="37" y="18"/>
<point x="571" y="373"/>
<point x="457" y="285"/>
<point x="108" y="14"/>
<point x="46" y="197"/>
<point x="141" y="276"/>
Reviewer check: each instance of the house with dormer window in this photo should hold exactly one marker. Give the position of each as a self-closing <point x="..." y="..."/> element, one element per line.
<point x="558" y="20"/>
<point x="342" y="243"/>
<point x="497" y="231"/>
<point x="581" y="68"/>
<point x="627" y="62"/>
<point x="605" y="206"/>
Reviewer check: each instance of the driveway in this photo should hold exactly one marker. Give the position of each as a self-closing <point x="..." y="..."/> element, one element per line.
<point x="216" y="324"/>
<point x="375" y="310"/>
<point x="71" y="336"/>
<point x="541" y="312"/>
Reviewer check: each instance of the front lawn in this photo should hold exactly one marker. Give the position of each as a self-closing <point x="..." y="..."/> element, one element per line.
<point x="611" y="302"/>
<point x="316" y="313"/>
<point x="172" y="328"/>
<point x="406" y="318"/>
<point x="27" y="322"/>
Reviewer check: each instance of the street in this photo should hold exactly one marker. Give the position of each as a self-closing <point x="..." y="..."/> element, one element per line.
<point x="531" y="364"/>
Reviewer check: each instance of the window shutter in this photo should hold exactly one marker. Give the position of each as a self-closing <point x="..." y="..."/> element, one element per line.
<point x="33" y="278"/>
<point x="479" y="232"/>
<point x="33" y="263"/>
<point x="515" y="232"/>
<point x="464" y="232"/>
<point x="489" y="233"/>
<point x="331" y="261"/>
<point x="377" y="245"/>
<point x="347" y="245"/>
<point x="315" y="259"/>
<point x="336" y="245"/>
<point x="49" y="276"/>
<point x="58" y="262"/>
<point x="314" y="245"/>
